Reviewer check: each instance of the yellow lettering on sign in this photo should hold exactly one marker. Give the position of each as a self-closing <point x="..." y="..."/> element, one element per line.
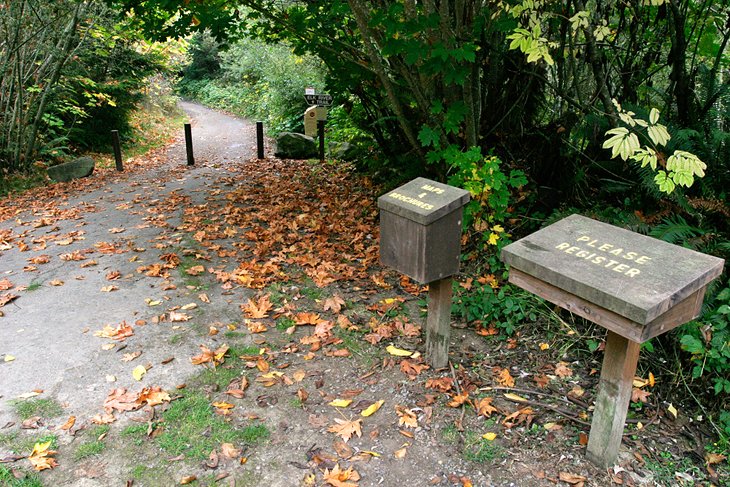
<point x="411" y="201"/>
<point x="590" y="250"/>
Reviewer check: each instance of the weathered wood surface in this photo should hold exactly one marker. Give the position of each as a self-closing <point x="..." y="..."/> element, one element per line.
<point x="685" y="311"/>
<point x="632" y="275"/>
<point x="438" y="323"/>
<point x="612" y="402"/>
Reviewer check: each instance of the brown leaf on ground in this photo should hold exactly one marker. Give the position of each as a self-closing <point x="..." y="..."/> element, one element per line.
<point x="573" y="479"/>
<point x="41" y="457"/>
<point x="6" y="298"/>
<point x="639" y="395"/>
<point x="406" y="417"/>
<point x="458" y="400"/>
<point x="121" y="332"/>
<point x="215" y="358"/>
<point x="485" y="408"/>
<point x="258" y="308"/>
<point x="334" y="304"/>
<point x="5" y="284"/>
<point x="443" y="384"/>
<point x="230" y="451"/>
<point x="562" y="370"/>
<point x="121" y="400"/>
<point x="341" y="478"/>
<point x="195" y="270"/>
<point x="412" y="368"/>
<point x="153" y="396"/>
<point x="503" y="377"/>
<point x="113" y="275"/>
<point x="307" y="319"/>
<point x="345" y="429"/>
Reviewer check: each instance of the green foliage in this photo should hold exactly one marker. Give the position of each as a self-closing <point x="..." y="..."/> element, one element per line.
<point x="256" y="80"/>
<point x="708" y="342"/>
<point x="506" y="307"/>
<point x="7" y="479"/>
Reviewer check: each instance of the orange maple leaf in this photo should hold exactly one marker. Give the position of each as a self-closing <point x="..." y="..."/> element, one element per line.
<point x="484" y="407"/>
<point x="443" y="384"/>
<point x="339" y="478"/>
<point x="504" y="377"/>
<point x="307" y="319"/>
<point x="345" y="429"/>
<point x="334" y="304"/>
<point x="406" y="417"/>
<point x="216" y="357"/>
<point x="259" y="308"/>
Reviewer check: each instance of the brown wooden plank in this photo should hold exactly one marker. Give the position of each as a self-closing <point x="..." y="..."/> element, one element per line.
<point x="438" y="323"/>
<point x="612" y="402"/>
<point x="574" y="304"/>
<point x="681" y="313"/>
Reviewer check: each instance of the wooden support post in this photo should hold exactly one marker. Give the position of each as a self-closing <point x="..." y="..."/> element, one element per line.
<point x="612" y="402"/>
<point x="117" y="150"/>
<point x="189" y="144"/>
<point x="438" y="323"/>
<point x="260" y="139"/>
<point x="320" y="131"/>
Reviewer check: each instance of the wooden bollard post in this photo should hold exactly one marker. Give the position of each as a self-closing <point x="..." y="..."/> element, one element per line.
<point x="438" y="323"/>
<point x="260" y="139"/>
<point x="612" y="402"/>
<point x="189" y="144"/>
<point x="117" y="150"/>
<point x="320" y="131"/>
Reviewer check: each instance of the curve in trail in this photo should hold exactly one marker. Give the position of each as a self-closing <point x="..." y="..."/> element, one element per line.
<point x="48" y="331"/>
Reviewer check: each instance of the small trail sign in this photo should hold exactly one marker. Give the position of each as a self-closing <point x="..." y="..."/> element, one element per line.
<point x="321" y="99"/>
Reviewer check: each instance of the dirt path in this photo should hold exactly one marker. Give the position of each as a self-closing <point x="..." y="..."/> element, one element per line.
<point x="271" y="266"/>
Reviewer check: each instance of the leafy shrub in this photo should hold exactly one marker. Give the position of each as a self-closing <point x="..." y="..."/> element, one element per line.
<point x="709" y="343"/>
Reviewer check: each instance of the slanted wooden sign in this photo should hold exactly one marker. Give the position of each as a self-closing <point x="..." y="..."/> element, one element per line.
<point x="420" y="236"/>
<point x="635" y="286"/>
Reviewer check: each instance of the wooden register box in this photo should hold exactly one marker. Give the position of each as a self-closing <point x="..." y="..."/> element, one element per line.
<point x="635" y="286"/>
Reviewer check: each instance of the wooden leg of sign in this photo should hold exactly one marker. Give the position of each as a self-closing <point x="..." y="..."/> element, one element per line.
<point x="612" y="402"/>
<point x="438" y="323"/>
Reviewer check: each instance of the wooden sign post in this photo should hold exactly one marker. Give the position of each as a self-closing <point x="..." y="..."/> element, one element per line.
<point x="635" y="286"/>
<point x="420" y="236"/>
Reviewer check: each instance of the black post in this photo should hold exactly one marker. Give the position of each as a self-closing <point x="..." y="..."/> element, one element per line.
<point x="189" y="144"/>
<point x="260" y="139"/>
<point x="117" y="150"/>
<point x="320" y="130"/>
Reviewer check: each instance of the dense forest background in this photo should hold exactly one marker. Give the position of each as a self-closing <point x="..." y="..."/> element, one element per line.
<point x="615" y="110"/>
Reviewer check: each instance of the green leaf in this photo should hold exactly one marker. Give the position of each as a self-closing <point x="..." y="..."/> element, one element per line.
<point x="428" y="137"/>
<point x="658" y="134"/>
<point x="692" y="345"/>
<point x="664" y="182"/>
<point x="654" y="116"/>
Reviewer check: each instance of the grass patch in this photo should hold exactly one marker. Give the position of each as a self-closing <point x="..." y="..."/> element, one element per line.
<point x="7" y="479"/>
<point x="481" y="450"/>
<point x="283" y="324"/>
<point x="358" y="347"/>
<point x="34" y="286"/>
<point x="23" y="445"/>
<point x="175" y="339"/>
<point x="236" y="351"/>
<point x="276" y="295"/>
<point x="45" y="408"/>
<point x="188" y="262"/>
<point x="93" y="447"/>
<point x="193" y="429"/>
<point x="18" y="183"/>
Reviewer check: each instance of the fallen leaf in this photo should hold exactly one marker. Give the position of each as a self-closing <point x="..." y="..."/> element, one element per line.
<point x="639" y="395"/>
<point x="485" y="408"/>
<point x="341" y="403"/>
<point x="259" y="308"/>
<point x="334" y="304"/>
<point x="714" y="458"/>
<point x="56" y="282"/>
<point x="41" y="457"/>
<point x="128" y="357"/>
<point x="188" y="479"/>
<point x="195" y="270"/>
<point x="68" y="424"/>
<point x="562" y="370"/>
<point x="398" y="352"/>
<point x="571" y="478"/>
<point x="230" y="451"/>
<point x="215" y="358"/>
<point x="672" y="410"/>
<point x="504" y="378"/>
<point x="108" y="289"/>
<point x="345" y="429"/>
<point x="138" y="372"/>
<point x="340" y="478"/>
<point x="372" y="409"/>
<point x="8" y="358"/>
<point x="406" y="417"/>
<point x="489" y="436"/>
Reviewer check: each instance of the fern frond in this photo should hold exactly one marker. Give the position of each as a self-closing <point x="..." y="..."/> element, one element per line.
<point x="676" y="230"/>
